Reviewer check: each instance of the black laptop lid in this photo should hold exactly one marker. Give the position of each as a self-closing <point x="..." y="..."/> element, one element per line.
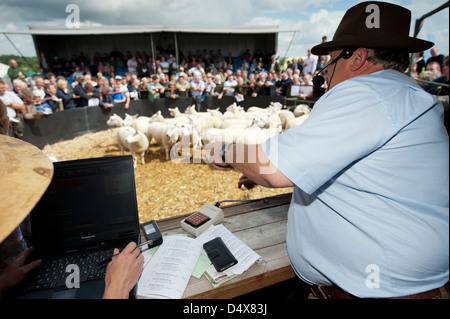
<point x="90" y="203"/>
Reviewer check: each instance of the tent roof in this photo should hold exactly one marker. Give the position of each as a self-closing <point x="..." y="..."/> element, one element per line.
<point x="129" y="29"/>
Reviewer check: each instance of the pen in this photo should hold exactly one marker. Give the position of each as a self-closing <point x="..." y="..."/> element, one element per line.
<point x="110" y="258"/>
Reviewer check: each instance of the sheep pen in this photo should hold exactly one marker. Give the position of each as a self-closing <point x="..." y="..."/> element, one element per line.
<point x="164" y="188"/>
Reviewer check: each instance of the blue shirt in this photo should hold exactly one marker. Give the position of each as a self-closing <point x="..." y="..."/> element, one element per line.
<point x="370" y="207"/>
<point x="195" y="85"/>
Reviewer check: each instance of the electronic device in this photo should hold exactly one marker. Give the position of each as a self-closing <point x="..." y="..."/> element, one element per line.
<point x="219" y="254"/>
<point x="200" y="221"/>
<point x="345" y="54"/>
<point x="151" y="232"/>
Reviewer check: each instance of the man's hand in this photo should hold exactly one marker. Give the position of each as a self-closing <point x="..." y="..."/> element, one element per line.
<point x="246" y="182"/>
<point x="16" y="271"/>
<point x="123" y="272"/>
<point x="213" y="157"/>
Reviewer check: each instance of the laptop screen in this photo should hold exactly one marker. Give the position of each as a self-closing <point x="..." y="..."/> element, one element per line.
<point x="89" y="203"/>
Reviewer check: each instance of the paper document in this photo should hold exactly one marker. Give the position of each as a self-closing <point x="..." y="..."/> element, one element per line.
<point x="167" y="273"/>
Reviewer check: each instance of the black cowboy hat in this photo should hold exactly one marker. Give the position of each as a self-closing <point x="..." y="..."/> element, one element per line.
<point x="376" y="25"/>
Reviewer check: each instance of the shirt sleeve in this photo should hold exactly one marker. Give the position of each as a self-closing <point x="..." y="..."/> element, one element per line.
<point x="338" y="132"/>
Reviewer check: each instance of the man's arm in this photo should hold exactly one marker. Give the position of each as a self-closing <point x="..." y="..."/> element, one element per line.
<point x="251" y="161"/>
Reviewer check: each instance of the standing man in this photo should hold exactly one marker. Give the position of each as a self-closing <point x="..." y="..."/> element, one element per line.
<point x="14" y="72"/>
<point x="369" y="215"/>
<point x="197" y="88"/>
<point x="310" y="63"/>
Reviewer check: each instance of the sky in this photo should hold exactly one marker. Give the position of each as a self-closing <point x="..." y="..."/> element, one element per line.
<point x="312" y="18"/>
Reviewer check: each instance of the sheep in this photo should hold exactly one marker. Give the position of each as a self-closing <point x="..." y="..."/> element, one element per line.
<point x="157" y="117"/>
<point x="121" y="135"/>
<point x="256" y="135"/>
<point x="170" y="137"/>
<point x="115" y="120"/>
<point x="236" y="122"/>
<point x="192" y="111"/>
<point x="227" y="135"/>
<point x="138" y="144"/>
<point x="285" y="116"/>
<point x="296" y="121"/>
<point x="215" y="113"/>
<point x="301" y="109"/>
<point x="188" y="136"/>
<point x="139" y="123"/>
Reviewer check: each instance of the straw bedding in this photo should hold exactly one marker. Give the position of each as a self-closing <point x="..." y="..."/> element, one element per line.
<point x="164" y="188"/>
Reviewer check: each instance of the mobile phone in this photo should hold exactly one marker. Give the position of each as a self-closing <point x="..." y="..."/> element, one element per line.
<point x="219" y="254"/>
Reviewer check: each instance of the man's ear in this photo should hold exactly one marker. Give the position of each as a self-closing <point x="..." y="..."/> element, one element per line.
<point x="358" y="59"/>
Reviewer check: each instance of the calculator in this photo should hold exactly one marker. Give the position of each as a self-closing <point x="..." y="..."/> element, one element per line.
<point x="200" y="221"/>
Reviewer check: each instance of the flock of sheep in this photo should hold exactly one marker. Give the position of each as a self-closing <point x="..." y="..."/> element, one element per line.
<point x="194" y="129"/>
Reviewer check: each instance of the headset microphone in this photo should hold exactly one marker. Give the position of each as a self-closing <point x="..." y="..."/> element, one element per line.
<point x="319" y="80"/>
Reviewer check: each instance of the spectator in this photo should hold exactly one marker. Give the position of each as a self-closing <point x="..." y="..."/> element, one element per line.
<point x="294" y="65"/>
<point x="79" y="93"/>
<point x="50" y="95"/>
<point x="14" y="72"/>
<point x="229" y="85"/>
<point x="435" y="68"/>
<point x="197" y="88"/>
<point x="419" y="61"/>
<point x="282" y="84"/>
<point x="142" y="69"/>
<point x="134" y="88"/>
<point x="154" y="88"/>
<point x="307" y="88"/>
<point x="65" y="95"/>
<point x="132" y="64"/>
<point x="310" y="63"/>
<point x="275" y="65"/>
<point x="38" y="89"/>
<point x="182" y="86"/>
<point x="106" y="99"/>
<point x="240" y="90"/>
<point x="117" y="95"/>
<point x="14" y="106"/>
<point x="262" y="85"/>
<point x="321" y="63"/>
<point x="442" y="90"/>
<point x="172" y="91"/>
<point x="210" y="85"/>
<point x="164" y="65"/>
<point x="435" y="57"/>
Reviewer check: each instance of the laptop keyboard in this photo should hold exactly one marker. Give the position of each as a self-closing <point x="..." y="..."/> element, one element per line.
<point x="52" y="272"/>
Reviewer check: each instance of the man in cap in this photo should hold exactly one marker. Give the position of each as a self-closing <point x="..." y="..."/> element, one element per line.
<point x="370" y="168"/>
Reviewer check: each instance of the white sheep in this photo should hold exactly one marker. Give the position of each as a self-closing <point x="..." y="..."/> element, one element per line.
<point x="285" y="116"/>
<point x="157" y="117"/>
<point x="227" y="135"/>
<point x="121" y="134"/>
<point x="115" y="120"/>
<point x="255" y="135"/>
<point x="137" y="122"/>
<point x="171" y="136"/>
<point x="188" y="136"/>
<point x="296" y="121"/>
<point x="138" y="144"/>
<point x="301" y="109"/>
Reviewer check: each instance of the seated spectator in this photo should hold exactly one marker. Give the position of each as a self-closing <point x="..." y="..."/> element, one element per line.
<point x="218" y="86"/>
<point x="65" y="95"/>
<point x="50" y="95"/>
<point x="77" y="72"/>
<point x="293" y="90"/>
<point x="229" y="85"/>
<point x="210" y="85"/>
<point x="172" y="91"/>
<point x="106" y="99"/>
<point x="283" y="83"/>
<point x="307" y="88"/>
<point x="183" y="86"/>
<point x="108" y="70"/>
<point x="14" y="106"/>
<point x="38" y="88"/>
<point x="117" y="95"/>
<point x="164" y="65"/>
<point x="262" y="85"/>
<point x="143" y="93"/>
<point x="134" y="88"/>
<point x="154" y="88"/>
<point x="240" y="90"/>
<point x="434" y="67"/>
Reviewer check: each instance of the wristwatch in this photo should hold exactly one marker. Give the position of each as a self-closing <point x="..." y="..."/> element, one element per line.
<point x="223" y="150"/>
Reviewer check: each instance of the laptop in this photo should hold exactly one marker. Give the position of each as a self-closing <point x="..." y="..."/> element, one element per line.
<point x="89" y="209"/>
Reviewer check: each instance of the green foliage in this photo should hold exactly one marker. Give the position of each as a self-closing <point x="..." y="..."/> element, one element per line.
<point x="24" y="64"/>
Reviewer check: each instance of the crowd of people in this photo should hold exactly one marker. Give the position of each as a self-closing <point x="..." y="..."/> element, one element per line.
<point x="113" y="78"/>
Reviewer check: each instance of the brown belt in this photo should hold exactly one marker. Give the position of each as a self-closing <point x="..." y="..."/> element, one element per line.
<point x="334" y="292"/>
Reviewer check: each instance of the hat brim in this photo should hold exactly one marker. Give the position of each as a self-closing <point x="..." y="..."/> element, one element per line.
<point x="408" y="45"/>
<point x="25" y="173"/>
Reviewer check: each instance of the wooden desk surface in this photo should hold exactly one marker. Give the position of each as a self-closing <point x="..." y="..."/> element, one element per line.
<point x="262" y="226"/>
